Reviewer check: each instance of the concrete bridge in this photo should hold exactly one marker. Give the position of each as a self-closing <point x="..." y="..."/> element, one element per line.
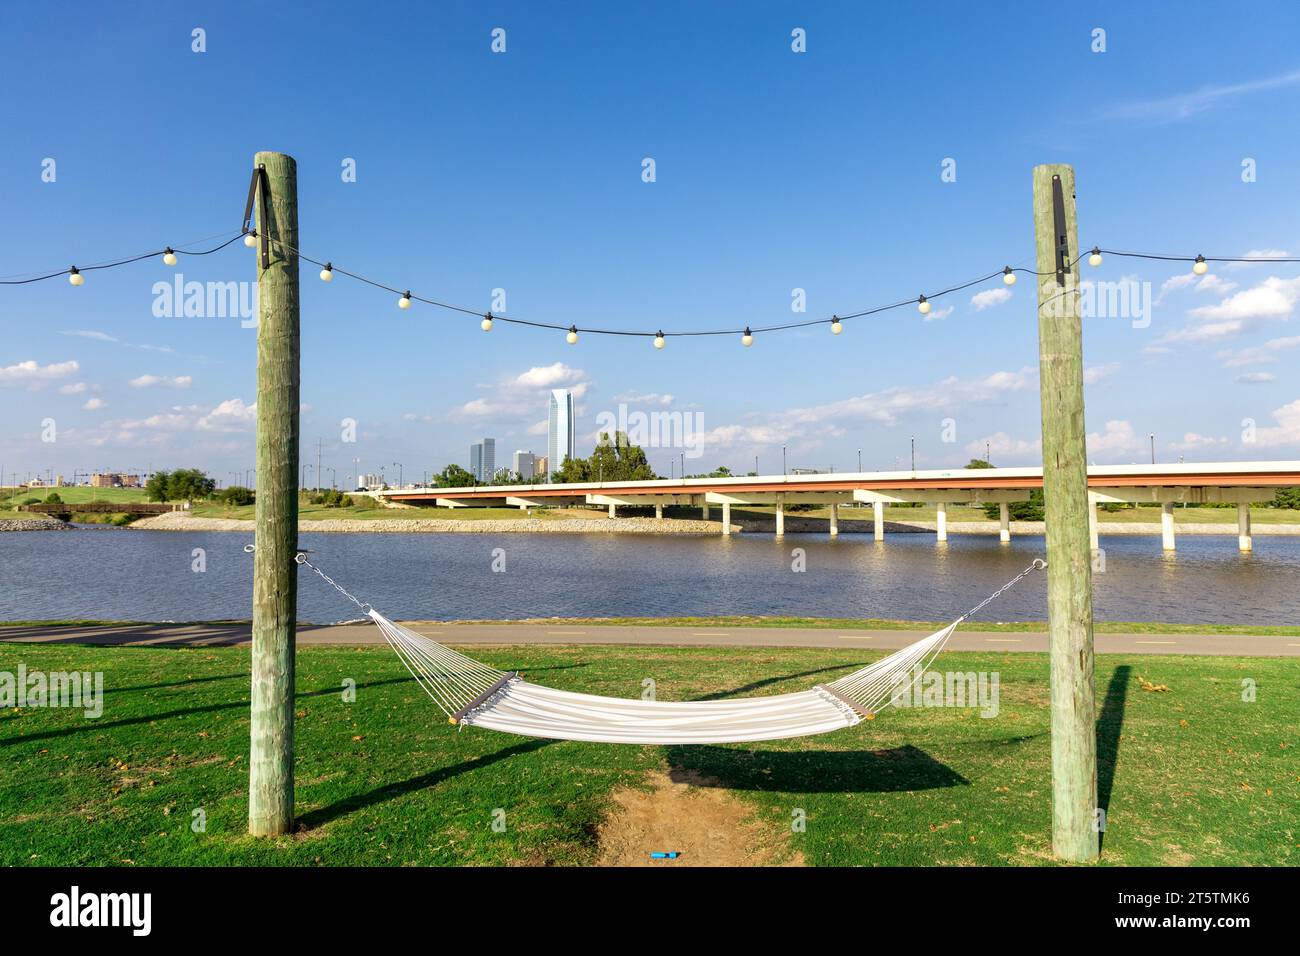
<point x="65" y="509"/>
<point x="1239" y="483"/>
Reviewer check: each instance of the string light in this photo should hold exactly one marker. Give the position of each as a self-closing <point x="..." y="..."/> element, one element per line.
<point x="1094" y="258"/>
<point x="572" y="335"/>
<point x="169" y="256"/>
<point x="486" y="324"/>
<point x="747" y="338"/>
<point x="923" y="305"/>
<point x="1009" y="276"/>
<point x="836" y="325"/>
<point x="1200" y="266"/>
<point x="659" y="339"/>
<point x="405" y="301"/>
<point x="327" y="274"/>
<point x="75" y="277"/>
<point x="250" y="238"/>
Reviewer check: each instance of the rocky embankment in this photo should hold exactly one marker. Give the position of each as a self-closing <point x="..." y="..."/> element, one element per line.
<point x="34" y="523"/>
<point x="181" y="521"/>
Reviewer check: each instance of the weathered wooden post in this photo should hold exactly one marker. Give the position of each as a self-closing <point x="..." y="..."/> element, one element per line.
<point x="275" y="571"/>
<point x="1075" y="835"/>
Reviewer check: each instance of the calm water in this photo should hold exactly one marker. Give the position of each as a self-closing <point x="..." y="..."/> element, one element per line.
<point x="114" y="573"/>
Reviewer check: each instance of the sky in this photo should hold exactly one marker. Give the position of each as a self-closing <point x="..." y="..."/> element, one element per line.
<point x="891" y="157"/>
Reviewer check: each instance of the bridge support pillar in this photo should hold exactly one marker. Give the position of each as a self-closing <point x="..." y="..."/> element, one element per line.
<point x="780" y="515"/>
<point x="726" y="517"/>
<point x="878" y="520"/>
<point x="611" y="510"/>
<point x="1167" y="526"/>
<point x="835" y="520"/>
<point x="1004" y="523"/>
<point x="659" y="511"/>
<point x="1094" y="537"/>
<point x="941" y="521"/>
<point x="1243" y="527"/>
<point x="704" y="511"/>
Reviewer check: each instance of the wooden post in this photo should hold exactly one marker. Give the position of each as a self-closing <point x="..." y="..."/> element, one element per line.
<point x="275" y="572"/>
<point x="1075" y="835"/>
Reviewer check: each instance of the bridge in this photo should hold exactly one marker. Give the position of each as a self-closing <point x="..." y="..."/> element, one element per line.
<point x="1239" y="483"/>
<point x="65" y="510"/>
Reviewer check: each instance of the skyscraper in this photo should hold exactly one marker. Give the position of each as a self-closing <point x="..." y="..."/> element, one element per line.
<point x="483" y="460"/>
<point x="525" y="464"/>
<point x="559" y="445"/>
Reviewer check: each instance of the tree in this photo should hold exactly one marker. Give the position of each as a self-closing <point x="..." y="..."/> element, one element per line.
<point x="454" y="476"/>
<point x="189" y="484"/>
<point x="615" y="459"/>
<point x="1031" y="510"/>
<point x="978" y="463"/>
<point x="237" y="495"/>
<point x="155" y="489"/>
<point x="53" y="498"/>
<point x="1286" y="498"/>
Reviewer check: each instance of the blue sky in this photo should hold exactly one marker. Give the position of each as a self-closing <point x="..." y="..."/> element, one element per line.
<point x="522" y="171"/>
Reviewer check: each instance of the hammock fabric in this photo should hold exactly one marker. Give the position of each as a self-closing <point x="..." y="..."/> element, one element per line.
<point x="473" y="694"/>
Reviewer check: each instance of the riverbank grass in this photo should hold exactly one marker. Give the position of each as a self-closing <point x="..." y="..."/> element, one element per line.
<point x="1192" y="772"/>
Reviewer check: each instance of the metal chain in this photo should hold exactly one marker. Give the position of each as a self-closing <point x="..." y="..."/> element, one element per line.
<point x="1037" y="565"/>
<point x="301" y="558"/>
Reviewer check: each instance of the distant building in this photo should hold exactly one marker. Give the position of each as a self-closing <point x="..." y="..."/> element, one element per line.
<point x="540" y="466"/>
<point x="114" y="480"/>
<point x="559" y="444"/>
<point x="525" y="465"/>
<point x="370" y="482"/>
<point x="483" y="460"/>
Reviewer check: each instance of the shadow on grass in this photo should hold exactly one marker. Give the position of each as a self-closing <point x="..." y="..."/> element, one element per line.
<point x="814" y="771"/>
<point x="1109" y="724"/>
<point x="323" y="815"/>
<point x="98" y="726"/>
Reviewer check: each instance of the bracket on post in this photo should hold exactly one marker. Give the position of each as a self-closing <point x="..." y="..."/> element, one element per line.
<point x="258" y="188"/>
<point x="1062" y="234"/>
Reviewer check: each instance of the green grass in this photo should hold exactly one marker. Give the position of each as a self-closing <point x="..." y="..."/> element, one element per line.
<point x="77" y="495"/>
<point x="1192" y="776"/>
<point x="212" y="509"/>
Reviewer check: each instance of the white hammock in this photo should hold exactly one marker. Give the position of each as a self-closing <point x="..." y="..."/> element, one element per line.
<point x="473" y="694"/>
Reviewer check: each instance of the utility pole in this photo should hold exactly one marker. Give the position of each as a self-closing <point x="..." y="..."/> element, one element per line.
<point x="318" y="471"/>
<point x="275" y="569"/>
<point x="914" y="453"/>
<point x="1153" y="447"/>
<point x="1065" y="494"/>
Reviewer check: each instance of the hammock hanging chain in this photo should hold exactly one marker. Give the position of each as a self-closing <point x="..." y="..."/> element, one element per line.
<point x="301" y="558"/>
<point x="1038" y="565"/>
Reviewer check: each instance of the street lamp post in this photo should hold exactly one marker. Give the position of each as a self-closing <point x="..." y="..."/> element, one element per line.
<point x="859" y="461"/>
<point x="783" y="468"/>
<point x="914" y="453"/>
<point x="1152" y="436"/>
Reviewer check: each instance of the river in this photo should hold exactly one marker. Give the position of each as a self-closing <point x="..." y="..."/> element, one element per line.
<point x="122" y="574"/>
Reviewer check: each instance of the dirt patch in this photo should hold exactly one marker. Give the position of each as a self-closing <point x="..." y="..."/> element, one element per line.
<point x="684" y="812"/>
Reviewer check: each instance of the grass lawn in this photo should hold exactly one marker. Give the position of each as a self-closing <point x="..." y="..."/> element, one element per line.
<point x="1191" y="775"/>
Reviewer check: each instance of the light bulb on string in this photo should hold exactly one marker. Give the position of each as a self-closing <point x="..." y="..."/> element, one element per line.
<point x="405" y="301"/>
<point x="1009" y="276"/>
<point x="327" y="274"/>
<point x="486" y="324"/>
<point x="169" y="256"/>
<point x="250" y="238"/>
<point x="1094" y="258"/>
<point x="1200" y="266"/>
<point x="836" y="325"/>
<point x="747" y="338"/>
<point x="572" y="335"/>
<point x="659" y="339"/>
<point x="923" y="305"/>
<point x="75" y="277"/>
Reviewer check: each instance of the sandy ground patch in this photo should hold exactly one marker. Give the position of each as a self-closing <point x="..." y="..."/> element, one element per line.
<point x="702" y="822"/>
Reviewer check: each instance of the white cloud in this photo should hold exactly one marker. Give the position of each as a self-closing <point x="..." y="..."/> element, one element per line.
<point x="33" y="374"/>
<point x="1195" y="442"/>
<point x="72" y="388"/>
<point x="93" y="404"/>
<point x="1258" y="354"/>
<point x="1272" y="299"/>
<point x="649" y="398"/>
<point x="937" y="314"/>
<point x="989" y="298"/>
<point x="229" y="416"/>
<point x="1215" y="284"/>
<point x="89" y="334"/>
<point x="1116" y="438"/>
<point x="524" y="395"/>
<point x="1094" y="374"/>
<point x="1256" y="378"/>
<point x="1183" y="106"/>
<point x="1254" y="254"/>
<point x="161" y="381"/>
<point x="1287" y="429"/>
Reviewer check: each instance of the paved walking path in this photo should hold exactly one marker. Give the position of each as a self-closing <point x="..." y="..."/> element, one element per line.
<point x="966" y="639"/>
